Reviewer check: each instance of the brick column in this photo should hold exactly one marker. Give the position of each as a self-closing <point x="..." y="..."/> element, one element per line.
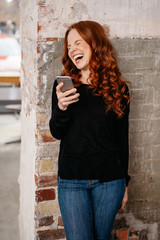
<point x="39" y="212"/>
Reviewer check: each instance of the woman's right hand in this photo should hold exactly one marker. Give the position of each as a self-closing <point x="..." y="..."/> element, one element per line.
<point x="65" y="98"/>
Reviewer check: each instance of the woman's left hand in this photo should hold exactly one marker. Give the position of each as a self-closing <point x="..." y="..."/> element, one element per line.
<point x="125" y="199"/>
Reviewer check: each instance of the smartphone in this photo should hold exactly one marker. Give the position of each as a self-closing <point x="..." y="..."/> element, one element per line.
<point x="68" y="84"/>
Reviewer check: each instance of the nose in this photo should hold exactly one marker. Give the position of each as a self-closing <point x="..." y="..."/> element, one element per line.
<point x="72" y="49"/>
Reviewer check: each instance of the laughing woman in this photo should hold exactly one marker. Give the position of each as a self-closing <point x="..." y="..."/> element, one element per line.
<point x="91" y="120"/>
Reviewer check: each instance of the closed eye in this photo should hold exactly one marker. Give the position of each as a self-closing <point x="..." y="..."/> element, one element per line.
<point x="78" y="42"/>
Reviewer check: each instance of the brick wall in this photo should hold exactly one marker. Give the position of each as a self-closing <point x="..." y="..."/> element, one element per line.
<point x="43" y="25"/>
<point x="140" y="63"/>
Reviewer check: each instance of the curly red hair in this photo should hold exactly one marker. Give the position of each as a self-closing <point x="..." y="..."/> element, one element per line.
<point x="105" y="77"/>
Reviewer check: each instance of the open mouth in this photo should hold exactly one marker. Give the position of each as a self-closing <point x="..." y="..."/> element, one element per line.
<point x="78" y="57"/>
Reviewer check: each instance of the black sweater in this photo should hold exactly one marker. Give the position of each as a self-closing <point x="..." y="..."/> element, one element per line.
<point x="94" y="145"/>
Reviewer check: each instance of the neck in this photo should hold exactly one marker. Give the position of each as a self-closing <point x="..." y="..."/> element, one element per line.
<point x="85" y="76"/>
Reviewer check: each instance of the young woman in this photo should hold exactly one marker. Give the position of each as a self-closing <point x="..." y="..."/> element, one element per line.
<point x="91" y="120"/>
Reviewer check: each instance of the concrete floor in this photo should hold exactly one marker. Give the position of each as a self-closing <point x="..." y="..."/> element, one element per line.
<point x="9" y="173"/>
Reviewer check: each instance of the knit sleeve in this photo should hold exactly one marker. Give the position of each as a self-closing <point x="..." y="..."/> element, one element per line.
<point x="59" y="118"/>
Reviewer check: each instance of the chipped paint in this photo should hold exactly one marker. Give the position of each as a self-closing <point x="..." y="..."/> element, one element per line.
<point x="151" y="229"/>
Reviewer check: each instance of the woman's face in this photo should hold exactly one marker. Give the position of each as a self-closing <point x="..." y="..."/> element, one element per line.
<point x="78" y="50"/>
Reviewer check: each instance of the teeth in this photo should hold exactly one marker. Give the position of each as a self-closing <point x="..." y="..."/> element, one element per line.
<point x="78" y="56"/>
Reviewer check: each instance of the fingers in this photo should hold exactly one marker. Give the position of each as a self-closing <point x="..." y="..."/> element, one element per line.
<point x="66" y="98"/>
<point x="125" y="199"/>
<point x="59" y="86"/>
<point x="64" y="105"/>
<point x="64" y="102"/>
<point x="66" y="93"/>
<point x="123" y="204"/>
<point x="69" y="98"/>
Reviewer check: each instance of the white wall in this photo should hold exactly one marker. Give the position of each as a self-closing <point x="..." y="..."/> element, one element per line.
<point x="126" y="18"/>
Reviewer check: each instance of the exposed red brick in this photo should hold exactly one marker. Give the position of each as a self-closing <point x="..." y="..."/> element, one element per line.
<point x="52" y="39"/>
<point x="38" y="51"/>
<point x="122" y="234"/>
<point x="38" y="82"/>
<point x="60" y="222"/>
<point x="36" y="178"/>
<point x="46" y="221"/>
<point x="47" y="181"/>
<point x="45" y="136"/>
<point x="39" y="28"/>
<point x="45" y="195"/>
<point x="51" y="234"/>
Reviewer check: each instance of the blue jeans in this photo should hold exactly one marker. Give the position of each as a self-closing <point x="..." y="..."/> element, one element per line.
<point x="88" y="207"/>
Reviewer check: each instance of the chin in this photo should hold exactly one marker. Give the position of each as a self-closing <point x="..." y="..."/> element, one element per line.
<point x="82" y="67"/>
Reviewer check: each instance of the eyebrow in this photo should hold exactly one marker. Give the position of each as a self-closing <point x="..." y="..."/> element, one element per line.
<point x="79" y="40"/>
